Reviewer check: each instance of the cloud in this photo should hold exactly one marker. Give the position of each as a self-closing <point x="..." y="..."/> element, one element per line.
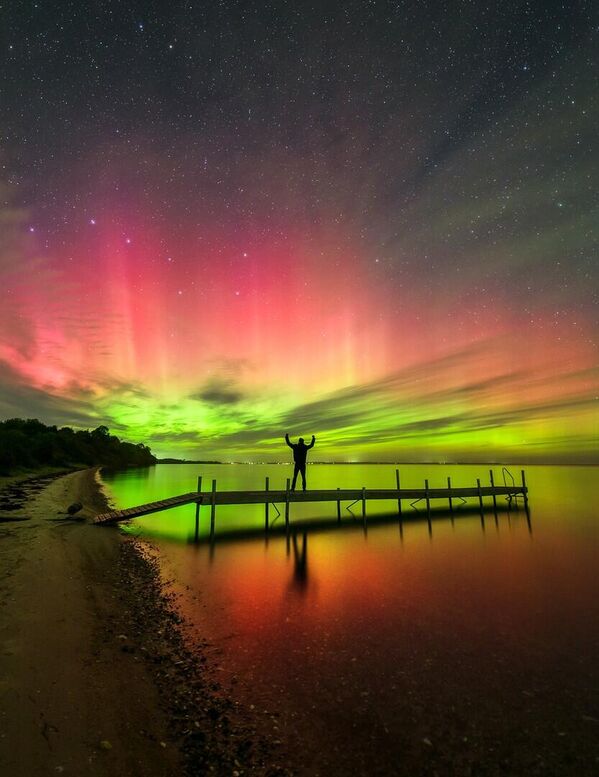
<point x="435" y="404"/>
<point x="121" y="388"/>
<point x="176" y="437"/>
<point x="219" y="390"/>
<point x="18" y="399"/>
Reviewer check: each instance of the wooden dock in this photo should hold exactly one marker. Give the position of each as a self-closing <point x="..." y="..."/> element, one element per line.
<point x="287" y="497"/>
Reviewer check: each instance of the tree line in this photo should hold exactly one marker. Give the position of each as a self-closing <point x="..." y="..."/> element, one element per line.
<point x="29" y="443"/>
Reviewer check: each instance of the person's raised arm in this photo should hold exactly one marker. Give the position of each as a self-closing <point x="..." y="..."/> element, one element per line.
<point x="312" y="443"/>
<point x="287" y="441"/>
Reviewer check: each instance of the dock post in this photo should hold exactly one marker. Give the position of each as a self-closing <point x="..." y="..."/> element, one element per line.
<point x="266" y="507"/>
<point x="212" y="509"/>
<point x="524" y="490"/>
<point x="428" y="509"/>
<point x="480" y="498"/>
<point x="526" y="508"/>
<point x="449" y="496"/>
<point x="398" y="495"/>
<point x="363" y="503"/>
<point x="197" y="530"/>
<point x="287" y="503"/>
<point x="492" y="479"/>
<point x="338" y="508"/>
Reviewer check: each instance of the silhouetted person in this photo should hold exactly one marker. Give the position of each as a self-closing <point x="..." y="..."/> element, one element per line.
<point x="300" y="451"/>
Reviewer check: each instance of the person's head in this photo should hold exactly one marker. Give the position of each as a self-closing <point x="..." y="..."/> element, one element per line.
<point x="301" y="439"/>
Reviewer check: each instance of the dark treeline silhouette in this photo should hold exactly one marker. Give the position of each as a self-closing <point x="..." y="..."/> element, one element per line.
<point x="30" y="443"/>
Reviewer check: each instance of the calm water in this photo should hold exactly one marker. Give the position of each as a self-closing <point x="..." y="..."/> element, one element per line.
<point x="466" y="646"/>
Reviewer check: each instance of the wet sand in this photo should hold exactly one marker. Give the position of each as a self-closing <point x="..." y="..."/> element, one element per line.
<point x="95" y="675"/>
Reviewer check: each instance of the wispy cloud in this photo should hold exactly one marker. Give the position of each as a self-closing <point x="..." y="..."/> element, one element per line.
<point x="18" y="399"/>
<point x="219" y="390"/>
<point x="434" y="404"/>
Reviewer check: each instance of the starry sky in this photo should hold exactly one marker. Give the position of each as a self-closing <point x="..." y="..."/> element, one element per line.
<point x="375" y="222"/>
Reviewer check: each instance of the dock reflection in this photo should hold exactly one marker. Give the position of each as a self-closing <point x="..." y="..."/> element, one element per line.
<point x="511" y="518"/>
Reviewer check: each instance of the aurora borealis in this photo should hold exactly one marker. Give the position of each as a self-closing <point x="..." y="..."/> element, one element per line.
<point x="372" y="222"/>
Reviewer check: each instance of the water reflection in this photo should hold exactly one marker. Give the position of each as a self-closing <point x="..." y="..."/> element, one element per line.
<point x="299" y="580"/>
<point x="417" y="632"/>
<point x="296" y="537"/>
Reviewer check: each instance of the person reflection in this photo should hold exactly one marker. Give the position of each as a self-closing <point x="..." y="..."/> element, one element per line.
<point x="300" y="563"/>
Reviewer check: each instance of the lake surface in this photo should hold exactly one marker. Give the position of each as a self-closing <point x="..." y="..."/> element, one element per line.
<point x="466" y="646"/>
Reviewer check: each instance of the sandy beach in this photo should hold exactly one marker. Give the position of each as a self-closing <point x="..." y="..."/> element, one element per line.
<point x="95" y="675"/>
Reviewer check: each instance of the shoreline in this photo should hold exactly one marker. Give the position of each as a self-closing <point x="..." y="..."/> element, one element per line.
<point x="97" y="674"/>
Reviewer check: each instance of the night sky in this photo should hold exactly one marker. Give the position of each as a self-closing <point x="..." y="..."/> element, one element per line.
<point x="373" y="222"/>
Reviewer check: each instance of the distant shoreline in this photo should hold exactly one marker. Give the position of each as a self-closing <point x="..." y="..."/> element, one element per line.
<point x="190" y="461"/>
<point x="592" y="463"/>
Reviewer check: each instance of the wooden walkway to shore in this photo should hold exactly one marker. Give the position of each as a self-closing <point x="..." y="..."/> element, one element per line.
<point x="287" y="497"/>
